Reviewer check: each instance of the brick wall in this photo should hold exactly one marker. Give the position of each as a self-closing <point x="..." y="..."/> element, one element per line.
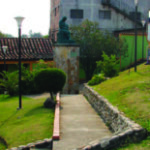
<point x="55" y="17"/>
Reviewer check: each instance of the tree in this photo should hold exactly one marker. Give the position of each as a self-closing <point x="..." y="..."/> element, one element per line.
<point x="35" y="35"/>
<point x="50" y="80"/>
<point x="24" y="36"/>
<point x="2" y="35"/>
<point x="93" y="42"/>
<point x="46" y="36"/>
<point x="9" y="35"/>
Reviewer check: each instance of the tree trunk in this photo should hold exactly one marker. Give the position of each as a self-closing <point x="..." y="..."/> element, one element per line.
<point x="52" y="97"/>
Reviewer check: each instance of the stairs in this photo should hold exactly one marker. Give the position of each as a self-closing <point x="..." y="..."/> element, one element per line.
<point x="122" y="8"/>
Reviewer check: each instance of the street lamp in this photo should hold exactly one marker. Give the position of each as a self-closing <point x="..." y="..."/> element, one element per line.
<point x="148" y="38"/>
<point x="143" y="23"/>
<point x="19" y="22"/>
<point x="136" y="8"/>
<point x="4" y="50"/>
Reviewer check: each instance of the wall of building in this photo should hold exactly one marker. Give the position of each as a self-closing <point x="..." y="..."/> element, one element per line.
<point x="91" y="8"/>
<point x="91" y="11"/>
<point x="55" y="16"/>
<point x="144" y="6"/>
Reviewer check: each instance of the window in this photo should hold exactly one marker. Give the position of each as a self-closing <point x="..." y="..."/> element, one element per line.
<point x="55" y="11"/>
<point x="105" y="14"/>
<point x="76" y="13"/>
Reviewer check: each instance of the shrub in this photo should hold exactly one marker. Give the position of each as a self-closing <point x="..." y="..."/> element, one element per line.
<point x="109" y="66"/>
<point x="96" y="79"/>
<point x="50" y="80"/>
<point x="9" y="82"/>
<point x="43" y="65"/>
<point x="27" y="79"/>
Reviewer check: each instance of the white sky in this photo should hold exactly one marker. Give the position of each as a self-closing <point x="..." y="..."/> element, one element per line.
<point x="36" y="13"/>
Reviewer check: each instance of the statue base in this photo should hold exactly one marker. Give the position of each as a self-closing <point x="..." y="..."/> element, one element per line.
<point x="66" y="57"/>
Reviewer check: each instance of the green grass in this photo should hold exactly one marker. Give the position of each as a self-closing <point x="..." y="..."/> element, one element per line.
<point x="82" y="75"/>
<point x="130" y="92"/>
<point x="19" y="127"/>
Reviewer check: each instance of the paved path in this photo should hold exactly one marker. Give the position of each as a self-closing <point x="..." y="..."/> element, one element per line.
<point x="79" y="124"/>
<point x="37" y="96"/>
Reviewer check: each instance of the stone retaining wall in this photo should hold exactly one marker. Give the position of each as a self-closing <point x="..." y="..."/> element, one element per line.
<point x="123" y="128"/>
<point x="39" y="144"/>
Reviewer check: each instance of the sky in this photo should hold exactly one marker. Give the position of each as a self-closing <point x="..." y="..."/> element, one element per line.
<point x="36" y="13"/>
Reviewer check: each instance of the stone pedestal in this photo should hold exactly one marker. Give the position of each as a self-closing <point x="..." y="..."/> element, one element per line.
<point x="66" y="57"/>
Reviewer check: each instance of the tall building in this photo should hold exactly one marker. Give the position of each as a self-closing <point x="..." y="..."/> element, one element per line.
<point x="110" y="14"/>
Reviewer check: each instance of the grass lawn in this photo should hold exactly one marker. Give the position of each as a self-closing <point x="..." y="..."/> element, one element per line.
<point x="19" y="127"/>
<point x="130" y="92"/>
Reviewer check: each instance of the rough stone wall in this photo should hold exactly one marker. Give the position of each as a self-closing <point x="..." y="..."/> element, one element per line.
<point x="124" y="129"/>
<point x="66" y="57"/>
<point x="39" y="144"/>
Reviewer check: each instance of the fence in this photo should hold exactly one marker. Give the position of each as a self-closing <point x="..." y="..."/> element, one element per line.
<point x="130" y="38"/>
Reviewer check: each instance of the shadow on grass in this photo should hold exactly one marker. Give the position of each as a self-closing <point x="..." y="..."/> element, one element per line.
<point x="38" y="110"/>
<point x="3" y="143"/>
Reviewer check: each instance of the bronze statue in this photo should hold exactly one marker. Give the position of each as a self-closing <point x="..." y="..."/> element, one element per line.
<point x="63" y="36"/>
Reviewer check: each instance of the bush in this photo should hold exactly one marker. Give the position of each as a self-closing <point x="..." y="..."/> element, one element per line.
<point x="43" y="65"/>
<point x="50" y="80"/>
<point x="96" y="79"/>
<point x="27" y="80"/>
<point x="109" y="66"/>
<point x="9" y="82"/>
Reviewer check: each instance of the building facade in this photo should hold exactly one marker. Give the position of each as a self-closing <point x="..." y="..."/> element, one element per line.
<point x="110" y="14"/>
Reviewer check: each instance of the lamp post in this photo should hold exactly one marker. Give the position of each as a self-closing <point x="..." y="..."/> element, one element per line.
<point x="148" y="38"/>
<point x="4" y="50"/>
<point x="19" y="22"/>
<point x="143" y="23"/>
<point x="136" y="8"/>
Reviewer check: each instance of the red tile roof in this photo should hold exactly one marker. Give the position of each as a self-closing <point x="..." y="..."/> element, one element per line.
<point x="31" y="49"/>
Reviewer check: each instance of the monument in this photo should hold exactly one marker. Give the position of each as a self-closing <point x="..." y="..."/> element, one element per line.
<point x="63" y="36"/>
<point x="66" y="57"/>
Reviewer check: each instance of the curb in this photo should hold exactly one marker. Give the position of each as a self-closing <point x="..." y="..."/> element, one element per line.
<point x="56" y="130"/>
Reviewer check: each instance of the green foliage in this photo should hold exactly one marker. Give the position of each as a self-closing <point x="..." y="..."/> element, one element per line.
<point x="109" y="66"/>
<point x="43" y="65"/>
<point x="93" y="42"/>
<point x="96" y="79"/>
<point x="27" y="79"/>
<point x="46" y="36"/>
<point x="2" y="35"/>
<point x="9" y="82"/>
<point x="50" y="80"/>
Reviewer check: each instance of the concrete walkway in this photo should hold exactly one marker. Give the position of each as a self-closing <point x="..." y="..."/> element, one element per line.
<point x="79" y="124"/>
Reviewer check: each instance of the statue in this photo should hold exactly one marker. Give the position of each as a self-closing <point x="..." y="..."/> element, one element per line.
<point x="63" y="36"/>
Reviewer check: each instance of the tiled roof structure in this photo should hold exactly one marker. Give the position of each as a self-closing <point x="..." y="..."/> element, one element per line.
<point x="31" y="49"/>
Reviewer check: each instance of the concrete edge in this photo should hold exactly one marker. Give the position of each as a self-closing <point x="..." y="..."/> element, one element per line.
<point x="133" y="133"/>
<point x="56" y="129"/>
